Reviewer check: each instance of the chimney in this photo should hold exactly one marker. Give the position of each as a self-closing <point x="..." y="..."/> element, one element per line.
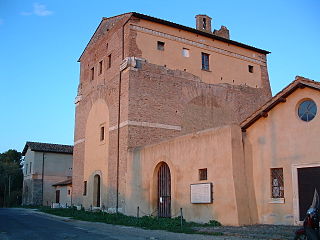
<point x="203" y="23"/>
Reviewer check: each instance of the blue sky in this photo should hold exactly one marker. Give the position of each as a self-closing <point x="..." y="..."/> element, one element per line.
<point x="41" y="42"/>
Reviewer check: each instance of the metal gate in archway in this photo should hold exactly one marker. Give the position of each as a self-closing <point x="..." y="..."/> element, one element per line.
<point x="164" y="191"/>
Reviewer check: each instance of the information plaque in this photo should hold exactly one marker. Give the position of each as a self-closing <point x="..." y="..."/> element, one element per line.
<point x="201" y="193"/>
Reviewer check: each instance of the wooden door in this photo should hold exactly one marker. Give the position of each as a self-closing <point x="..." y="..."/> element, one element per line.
<point x="96" y="191"/>
<point x="164" y="191"/>
<point x="308" y="181"/>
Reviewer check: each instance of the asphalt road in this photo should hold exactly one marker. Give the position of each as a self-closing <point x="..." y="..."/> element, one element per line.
<point x="28" y="224"/>
<point x="19" y="224"/>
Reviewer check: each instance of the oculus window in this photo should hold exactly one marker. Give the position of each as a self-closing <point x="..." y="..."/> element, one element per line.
<point x="307" y="110"/>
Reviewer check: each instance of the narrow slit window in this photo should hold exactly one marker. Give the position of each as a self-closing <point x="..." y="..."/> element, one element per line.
<point x="109" y="61"/>
<point x="92" y="73"/>
<point x="250" y="68"/>
<point x="203" y="174"/>
<point x="160" y="46"/>
<point x="102" y="133"/>
<point x="277" y="183"/>
<point x="84" y="188"/>
<point x="26" y="169"/>
<point x="205" y="61"/>
<point x="30" y="167"/>
<point x="69" y="192"/>
<point x="100" y="67"/>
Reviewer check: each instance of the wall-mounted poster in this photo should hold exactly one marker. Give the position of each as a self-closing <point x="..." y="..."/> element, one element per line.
<point x="201" y="193"/>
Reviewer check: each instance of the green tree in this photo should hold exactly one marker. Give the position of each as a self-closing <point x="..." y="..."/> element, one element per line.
<point x="11" y="178"/>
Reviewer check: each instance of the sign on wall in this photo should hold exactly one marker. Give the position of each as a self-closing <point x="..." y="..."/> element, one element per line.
<point x="201" y="193"/>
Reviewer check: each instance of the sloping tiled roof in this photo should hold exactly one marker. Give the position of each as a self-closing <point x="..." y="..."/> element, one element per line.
<point x="47" y="147"/>
<point x="299" y="82"/>
<point x="63" y="183"/>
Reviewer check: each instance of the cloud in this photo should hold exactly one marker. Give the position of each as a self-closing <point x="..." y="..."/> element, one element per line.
<point x="38" y="10"/>
<point x="41" y="10"/>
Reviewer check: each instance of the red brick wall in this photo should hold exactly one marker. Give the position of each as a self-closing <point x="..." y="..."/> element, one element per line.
<point x="152" y="94"/>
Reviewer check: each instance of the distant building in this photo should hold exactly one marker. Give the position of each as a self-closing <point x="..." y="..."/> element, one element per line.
<point x="63" y="193"/>
<point x="45" y="165"/>
<point x="171" y="117"/>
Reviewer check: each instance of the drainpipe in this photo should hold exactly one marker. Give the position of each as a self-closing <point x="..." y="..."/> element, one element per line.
<point x="119" y="109"/>
<point x="42" y="178"/>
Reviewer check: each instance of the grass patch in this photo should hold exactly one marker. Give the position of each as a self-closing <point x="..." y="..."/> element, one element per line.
<point x="146" y="222"/>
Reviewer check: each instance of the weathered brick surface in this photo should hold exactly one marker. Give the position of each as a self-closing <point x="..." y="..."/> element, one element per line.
<point x="104" y="86"/>
<point x="151" y="94"/>
<point x="222" y="32"/>
<point x="164" y="96"/>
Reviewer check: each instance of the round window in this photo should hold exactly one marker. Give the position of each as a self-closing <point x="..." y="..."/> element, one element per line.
<point x="307" y="110"/>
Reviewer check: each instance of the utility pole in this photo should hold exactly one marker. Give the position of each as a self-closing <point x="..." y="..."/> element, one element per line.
<point x="9" y="187"/>
<point x="42" y="198"/>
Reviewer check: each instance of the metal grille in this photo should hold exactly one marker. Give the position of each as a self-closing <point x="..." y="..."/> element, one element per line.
<point x="164" y="191"/>
<point x="277" y="185"/>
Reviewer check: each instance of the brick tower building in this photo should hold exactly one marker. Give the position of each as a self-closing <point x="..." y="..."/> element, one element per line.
<point x="143" y="81"/>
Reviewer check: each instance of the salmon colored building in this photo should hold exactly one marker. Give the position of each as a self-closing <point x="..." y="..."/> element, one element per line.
<point x="170" y="117"/>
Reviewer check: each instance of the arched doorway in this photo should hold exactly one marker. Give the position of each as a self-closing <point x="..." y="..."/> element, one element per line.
<point x="164" y="191"/>
<point x="96" y="191"/>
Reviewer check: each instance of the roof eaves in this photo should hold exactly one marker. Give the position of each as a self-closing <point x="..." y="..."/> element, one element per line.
<point x="90" y="40"/>
<point x="63" y="183"/>
<point x="189" y="29"/>
<point x="103" y="18"/>
<point x="279" y="98"/>
<point x="47" y="147"/>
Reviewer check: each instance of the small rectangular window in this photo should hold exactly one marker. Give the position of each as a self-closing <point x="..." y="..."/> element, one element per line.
<point x="26" y="169"/>
<point x="30" y="167"/>
<point x="250" y="68"/>
<point x="277" y="183"/>
<point x="84" y="188"/>
<point x="100" y="67"/>
<point x="92" y="73"/>
<point x="109" y="61"/>
<point x="203" y="174"/>
<point x="160" y="46"/>
<point x="69" y="192"/>
<point x="185" y="52"/>
<point x="205" y="61"/>
<point x="102" y="133"/>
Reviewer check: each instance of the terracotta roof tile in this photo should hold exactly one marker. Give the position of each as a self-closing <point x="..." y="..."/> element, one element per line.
<point x="47" y="147"/>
